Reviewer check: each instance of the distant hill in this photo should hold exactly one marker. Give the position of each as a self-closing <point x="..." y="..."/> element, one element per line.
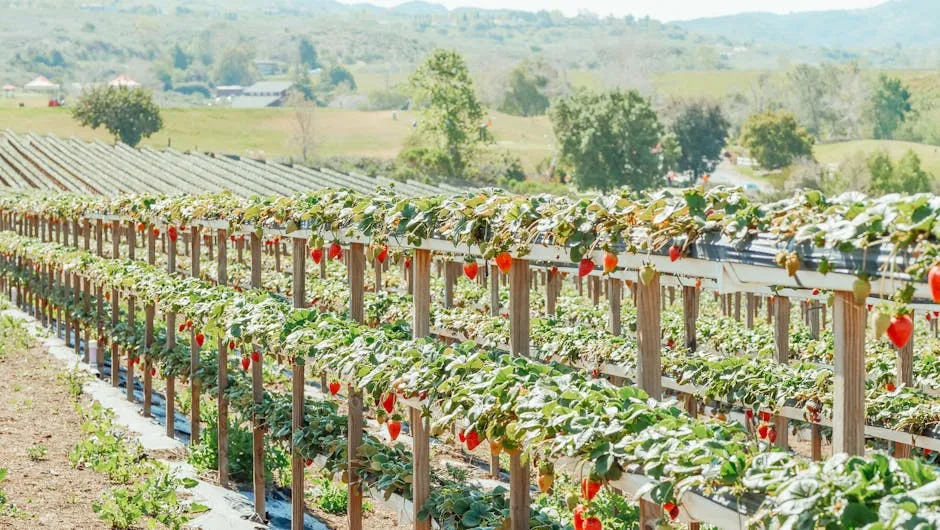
<point x="908" y="23"/>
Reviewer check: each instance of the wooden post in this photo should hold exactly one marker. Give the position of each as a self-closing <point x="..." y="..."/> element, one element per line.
<point x="297" y="391"/>
<point x="377" y="269"/>
<point x="99" y="298"/>
<point x="551" y="292"/>
<point x="595" y="290"/>
<point x="149" y="315"/>
<point x="115" y="305"/>
<point x="494" y="290"/>
<point x="519" y="309"/>
<point x="257" y="394"/>
<point x="690" y="303"/>
<point x="751" y="310"/>
<point x="813" y="315"/>
<point x="131" y="314"/>
<point x="450" y="281"/>
<point x="356" y="276"/>
<point x="737" y="306"/>
<point x="194" y="240"/>
<point x="782" y="342"/>
<point x="848" y="407"/>
<point x="672" y="295"/>
<point x="421" y="327"/>
<point x="649" y="364"/>
<point x="614" y="286"/>
<point x="905" y="376"/>
<point x="222" y="397"/>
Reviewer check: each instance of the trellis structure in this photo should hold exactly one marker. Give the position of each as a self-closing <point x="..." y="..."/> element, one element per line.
<point x="698" y="269"/>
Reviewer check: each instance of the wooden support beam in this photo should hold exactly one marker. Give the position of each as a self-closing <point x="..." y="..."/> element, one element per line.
<point x="421" y="271"/>
<point x="421" y="323"/>
<point x="519" y="306"/>
<point x="149" y="315"/>
<point x="195" y="240"/>
<point x="551" y="292"/>
<point x="494" y="290"/>
<point x="298" y="284"/>
<point x="737" y="306"/>
<point x="257" y="395"/>
<point x="518" y="490"/>
<point x="614" y="286"/>
<point x="690" y="305"/>
<point x="131" y="235"/>
<point x="356" y="278"/>
<point x="649" y="364"/>
<point x="848" y="410"/>
<point x="450" y="283"/>
<point x="905" y="376"/>
<point x="782" y="343"/>
<point x="751" y="310"/>
<point x="222" y="396"/>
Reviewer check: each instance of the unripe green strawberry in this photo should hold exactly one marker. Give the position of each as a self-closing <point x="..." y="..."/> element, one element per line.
<point x="880" y="322"/>
<point x="861" y="288"/>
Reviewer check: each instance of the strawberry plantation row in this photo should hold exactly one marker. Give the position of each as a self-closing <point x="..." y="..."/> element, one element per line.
<point x="534" y="439"/>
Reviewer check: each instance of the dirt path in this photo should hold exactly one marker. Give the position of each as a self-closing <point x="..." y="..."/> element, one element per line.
<point x="37" y="411"/>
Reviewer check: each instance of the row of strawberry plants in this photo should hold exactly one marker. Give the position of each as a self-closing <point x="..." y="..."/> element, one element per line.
<point x="517" y="402"/>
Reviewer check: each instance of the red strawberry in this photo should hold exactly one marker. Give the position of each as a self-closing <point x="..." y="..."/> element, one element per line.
<point x="407" y="263"/>
<point x="772" y="435"/>
<point x="471" y="269"/>
<point x="334" y="251"/>
<point x="461" y="436"/>
<point x="389" y="402"/>
<point x="141" y="227"/>
<point x="394" y="428"/>
<point x="900" y="330"/>
<point x="936" y="314"/>
<point x="585" y="267"/>
<point x="200" y="338"/>
<point x="309" y="462"/>
<point x="749" y="414"/>
<point x="674" y="253"/>
<point x="504" y="262"/>
<point x="473" y="440"/>
<point x="927" y="316"/>
<point x="592" y="524"/>
<point x="610" y="262"/>
<point x="181" y="327"/>
<point x="317" y="255"/>
<point x="890" y="387"/>
<point x="189" y="324"/>
<point x="933" y="279"/>
<point x="671" y="509"/>
<point x="670" y="344"/>
<point x="762" y="430"/>
<point x="246" y="362"/>
<point x="382" y="255"/>
<point x="764" y="416"/>
<point x="255" y="357"/>
<point x="815" y="292"/>
<point x="182" y="228"/>
<point x="156" y="232"/>
<point x="231" y="344"/>
<point x="334" y="387"/>
<point x="589" y="488"/>
<point x="153" y="371"/>
<point x="579" y="517"/>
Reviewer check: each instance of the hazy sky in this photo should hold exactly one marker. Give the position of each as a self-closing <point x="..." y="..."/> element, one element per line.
<point x="665" y="10"/>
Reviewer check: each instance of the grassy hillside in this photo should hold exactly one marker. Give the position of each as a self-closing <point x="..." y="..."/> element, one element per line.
<point x="271" y="131"/>
<point x="835" y="153"/>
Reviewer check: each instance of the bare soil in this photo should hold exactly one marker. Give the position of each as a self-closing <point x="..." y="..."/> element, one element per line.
<point x="36" y="409"/>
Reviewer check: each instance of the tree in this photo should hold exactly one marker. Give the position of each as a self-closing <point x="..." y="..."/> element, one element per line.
<point x="701" y="130"/>
<point x="181" y="60"/>
<point x="452" y="115"/>
<point x="525" y="95"/>
<point x="305" y="133"/>
<point x="809" y="85"/>
<point x="610" y="139"/>
<point x="905" y="177"/>
<point x="339" y="75"/>
<point x="303" y="84"/>
<point x="236" y="67"/>
<point x="308" y="54"/>
<point x="127" y="114"/>
<point x="775" y="139"/>
<point x="891" y="104"/>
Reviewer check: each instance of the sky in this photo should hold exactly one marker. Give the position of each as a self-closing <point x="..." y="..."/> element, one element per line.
<point x="665" y="10"/>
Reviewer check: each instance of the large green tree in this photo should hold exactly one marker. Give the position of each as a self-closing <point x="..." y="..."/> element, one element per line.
<point x="610" y="139"/>
<point x="775" y="139"/>
<point x="236" y="67"/>
<point x="525" y="94"/>
<point x="906" y="176"/>
<point x="129" y="115"/>
<point x="308" y="54"/>
<point x="452" y="115"/>
<point x="701" y="130"/>
<point x="891" y="104"/>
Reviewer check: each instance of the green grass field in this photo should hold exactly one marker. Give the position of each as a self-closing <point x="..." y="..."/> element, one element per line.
<point x="837" y="152"/>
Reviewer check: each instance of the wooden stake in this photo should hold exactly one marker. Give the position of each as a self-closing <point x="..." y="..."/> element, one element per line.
<point x="297" y="392"/>
<point x="494" y="290"/>
<point x="751" y="310"/>
<point x="421" y="270"/>
<point x="848" y="410"/>
<point x="194" y="240"/>
<point x="782" y="341"/>
<point x="222" y="397"/>
<point x="356" y="278"/>
<point x="614" y="286"/>
<point x="690" y="304"/>
<point x="649" y="364"/>
<point x="905" y="376"/>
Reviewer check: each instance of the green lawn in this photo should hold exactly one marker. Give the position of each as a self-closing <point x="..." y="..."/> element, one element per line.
<point x="837" y="152"/>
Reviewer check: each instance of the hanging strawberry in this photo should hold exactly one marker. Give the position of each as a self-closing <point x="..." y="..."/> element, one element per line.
<point x="470" y="269"/>
<point x="578" y="517"/>
<point x="674" y="253"/>
<point x="647" y="274"/>
<point x="389" y="402"/>
<point x="610" y="262"/>
<point x="394" y="428"/>
<point x="231" y="344"/>
<point x="407" y="263"/>
<point x="861" y="288"/>
<point x="585" y="267"/>
<point x="200" y="339"/>
<point x="592" y="523"/>
<point x="890" y="387"/>
<point x="156" y="232"/>
<point x="472" y="440"/>
<point x="246" y="363"/>
<point x="504" y="262"/>
<point x="334" y="387"/>
<point x="317" y="255"/>
<point x="672" y="510"/>
<point x="335" y="250"/>
<point x="933" y="279"/>
<point x="590" y="486"/>
<point x="255" y="357"/>
<point x="900" y="330"/>
<point x="382" y="255"/>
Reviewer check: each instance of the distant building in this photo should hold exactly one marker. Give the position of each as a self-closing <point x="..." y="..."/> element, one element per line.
<point x="263" y="94"/>
<point x="269" y="67"/>
<point x="229" y="90"/>
<point x="41" y="84"/>
<point x="9" y="90"/>
<point x="124" y="82"/>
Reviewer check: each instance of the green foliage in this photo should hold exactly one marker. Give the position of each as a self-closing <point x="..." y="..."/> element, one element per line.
<point x="154" y="498"/>
<point x="337" y="76"/>
<point x="525" y="96"/>
<point x="235" y="67"/>
<point x="332" y="498"/>
<point x="701" y="130"/>
<point x="303" y="84"/>
<point x="37" y="452"/>
<point x="891" y="105"/>
<point x="422" y="163"/>
<point x="671" y="152"/>
<point x="107" y="450"/>
<point x="452" y="117"/>
<point x="308" y="54"/>
<point x="609" y="139"/>
<point x="181" y="60"/>
<point x="388" y="100"/>
<point x="6" y="507"/>
<point x="129" y="115"/>
<point x="495" y="167"/>
<point x="204" y="455"/>
<point x="775" y="140"/>
<point x="905" y="177"/>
